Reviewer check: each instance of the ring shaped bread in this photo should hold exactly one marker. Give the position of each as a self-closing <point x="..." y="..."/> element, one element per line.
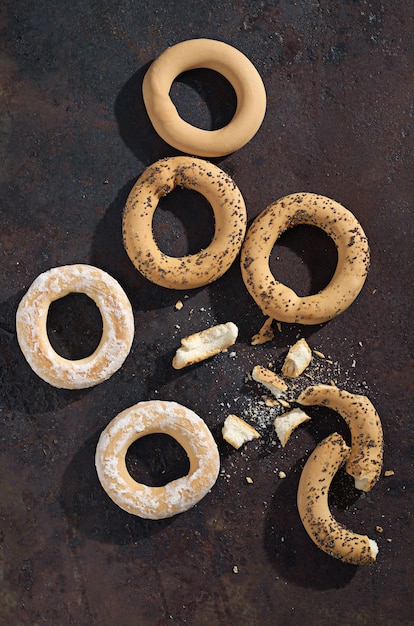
<point x="117" y="322"/>
<point x="227" y="61"/>
<point x="276" y="299"/>
<point x="195" y="270"/>
<point x="145" y="418"/>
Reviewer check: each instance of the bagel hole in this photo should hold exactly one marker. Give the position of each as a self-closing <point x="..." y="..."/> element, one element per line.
<point x="204" y="98"/>
<point x="183" y="223"/>
<point x="156" y="459"/>
<point x="74" y="326"/>
<point x="304" y="258"/>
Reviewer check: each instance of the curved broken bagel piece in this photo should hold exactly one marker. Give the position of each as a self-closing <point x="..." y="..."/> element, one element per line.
<point x="366" y="457"/>
<point x="317" y="519"/>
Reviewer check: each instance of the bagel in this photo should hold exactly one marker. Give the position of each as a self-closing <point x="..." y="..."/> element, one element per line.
<point x="278" y="301"/>
<point x="194" y="270"/>
<point x="227" y="61"/>
<point x="117" y="322"/>
<point x="177" y="496"/>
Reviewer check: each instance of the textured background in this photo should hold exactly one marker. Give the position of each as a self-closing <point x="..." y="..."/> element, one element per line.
<point x="74" y="136"/>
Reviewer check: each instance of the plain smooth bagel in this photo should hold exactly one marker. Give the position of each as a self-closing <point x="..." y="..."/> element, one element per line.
<point x="227" y="61"/>
<point x="177" y="496"/>
<point x="117" y="323"/>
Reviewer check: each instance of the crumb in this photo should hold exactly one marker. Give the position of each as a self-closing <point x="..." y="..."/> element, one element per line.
<point x="282" y="474"/>
<point x="237" y="432"/>
<point x="389" y="473"/>
<point x="265" y="333"/>
<point x="297" y="359"/>
<point x="178" y="305"/>
<point x="284" y="403"/>
<point x="286" y="423"/>
<point x="249" y="480"/>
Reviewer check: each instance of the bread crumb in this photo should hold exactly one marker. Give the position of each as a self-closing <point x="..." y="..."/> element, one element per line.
<point x="379" y="529"/>
<point x="282" y="474"/>
<point x="265" y="333"/>
<point x="235" y="569"/>
<point x="285" y="424"/>
<point x="319" y="354"/>
<point x="237" y="432"/>
<point x="205" y="344"/>
<point x="297" y="359"/>
<point x="284" y="403"/>
<point x="179" y="305"/>
<point x="249" y="480"/>
<point x="270" y="380"/>
<point x="389" y="473"/>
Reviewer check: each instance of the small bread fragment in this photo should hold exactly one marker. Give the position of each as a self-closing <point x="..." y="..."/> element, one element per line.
<point x="237" y="432"/>
<point x="265" y="334"/>
<point x="285" y="424"/>
<point x="270" y="380"/>
<point x="297" y="359"/>
<point x="205" y="344"/>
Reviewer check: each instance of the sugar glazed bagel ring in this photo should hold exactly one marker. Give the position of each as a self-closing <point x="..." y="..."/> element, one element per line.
<point x="194" y="270"/>
<point x="364" y="463"/>
<point x="227" y="61"/>
<point x="278" y="301"/>
<point x="117" y="323"/>
<point x="312" y="500"/>
<point x="145" y="418"/>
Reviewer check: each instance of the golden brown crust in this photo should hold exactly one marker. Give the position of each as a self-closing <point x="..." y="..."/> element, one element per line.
<point x="312" y="500"/>
<point x="270" y="380"/>
<point x="195" y="270"/>
<point x="366" y="457"/>
<point x="224" y="59"/>
<point x="265" y="334"/>
<point x="117" y="322"/>
<point x="177" y="496"/>
<point x="278" y="300"/>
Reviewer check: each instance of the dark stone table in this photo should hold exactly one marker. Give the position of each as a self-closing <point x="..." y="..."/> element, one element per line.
<point x="74" y="136"/>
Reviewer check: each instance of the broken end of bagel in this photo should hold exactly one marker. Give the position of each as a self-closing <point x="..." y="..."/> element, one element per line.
<point x="238" y="432"/>
<point x="205" y="344"/>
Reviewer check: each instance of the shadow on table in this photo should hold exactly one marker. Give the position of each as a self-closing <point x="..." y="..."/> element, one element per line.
<point x="290" y="550"/>
<point x="90" y="511"/>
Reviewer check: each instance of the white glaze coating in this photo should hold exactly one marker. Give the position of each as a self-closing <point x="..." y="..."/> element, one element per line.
<point x="117" y="321"/>
<point x="145" y="418"/>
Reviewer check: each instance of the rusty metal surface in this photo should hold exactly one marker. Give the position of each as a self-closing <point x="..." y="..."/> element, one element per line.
<point x="73" y="137"/>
